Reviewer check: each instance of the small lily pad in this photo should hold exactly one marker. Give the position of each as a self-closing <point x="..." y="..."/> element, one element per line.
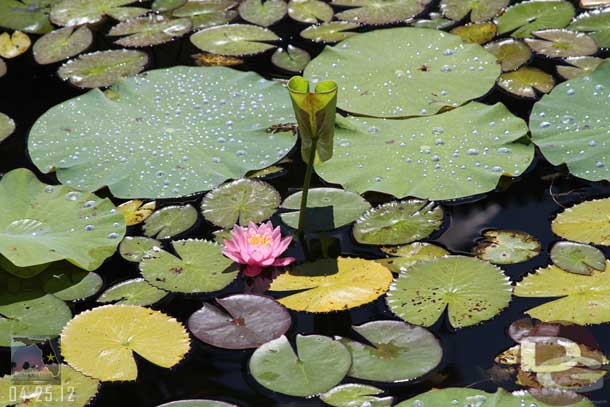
<point x="170" y="221"/>
<point x="398" y="222"/>
<point x="332" y="284"/>
<point x="80" y="12"/>
<point x="478" y="33"/>
<point x="579" y="66"/>
<point x="12" y="46"/>
<point x="586" y="222"/>
<point x="69" y="283"/>
<point x="150" y="30"/>
<point x="234" y="39"/>
<point x="562" y="43"/>
<point x="396" y="352"/>
<point x="100" y="342"/>
<point x="162" y="6"/>
<point x="578" y="258"/>
<point x="330" y="32"/>
<point x="507" y="247"/>
<point x="596" y="23"/>
<point x="522" y="19"/>
<point x="355" y="395"/>
<point x="263" y="12"/>
<point x="318" y="365"/>
<point x="434" y="21"/>
<point x="524" y="82"/>
<point x="136" y="211"/>
<point x="511" y="53"/>
<point x="377" y="12"/>
<point x="310" y="11"/>
<point x="479" y="10"/>
<point x="133" y="248"/>
<point x="133" y="292"/>
<point x="472" y="290"/>
<point x="240" y="202"/>
<point x="7" y="126"/>
<point x="408" y="255"/>
<point x="61" y="44"/>
<point x="328" y="209"/>
<point x="31" y="16"/>
<point x="103" y="68"/>
<point x="247" y="321"/>
<point x="198" y="267"/>
<point x="292" y="59"/>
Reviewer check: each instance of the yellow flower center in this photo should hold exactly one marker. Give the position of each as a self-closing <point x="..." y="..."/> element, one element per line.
<point x="259" y="240"/>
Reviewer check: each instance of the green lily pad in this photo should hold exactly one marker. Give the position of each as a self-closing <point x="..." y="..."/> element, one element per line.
<point x="79" y="12"/>
<point x="262" y="13"/>
<point x="379" y="12"/>
<point x="204" y="14"/>
<point x="162" y="6"/>
<point x="318" y="365"/>
<point x="472" y="290"/>
<point x="479" y="33"/>
<point x="408" y="255"/>
<point x="7" y="126"/>
<point x="178" y="156"/>
<point x="572" y="119"/>
<point x="403" y="82"/>
<point x="42" y="223"/>
<point x="586" y="222"/>
<point x="30" y="16"/>
<point x="526" y="81"/>
<point x="234" y="39"/>
<point x="459" y="153"/>
<point x="248" y="321"/>
<point x="198" y="267"/>
<point x="479" y="10"/>
<point x="507" y="247"/>
<point x="170" y="221"/>
<point x="198" y="403"/>
<point x="310" y="11"/>
<point x="512" y="54"/>
<point x="133" y="292"/>
<point x="22" y="272"/>
<point x="132" y="248"/>
<point x="150" y="30"/>
<point x="292" y="59"/>
<point x="398" y="222"/>
<point x="68" y="283"/>
<point x="578" y="258"/>
<point x="562" y="43"/>
<point x="579" y="66"/>
<point x="240" y="202"/>
<point x="329" y="32"/>
<point x="596" y="23"/>
<point x="397" y="352"/>
<point x="522" y="19"/>
<point x="61" y="44"/>
<point x="102" y="68"/>
<point x="355" y="395"/>
<point x="328" y="209"/>
<point x="434" y="21"/>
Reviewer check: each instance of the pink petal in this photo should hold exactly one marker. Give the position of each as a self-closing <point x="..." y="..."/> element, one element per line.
<point x="284" y="261"/>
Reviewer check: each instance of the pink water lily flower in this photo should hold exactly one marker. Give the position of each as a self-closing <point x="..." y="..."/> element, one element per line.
<point x="257" y="247"/>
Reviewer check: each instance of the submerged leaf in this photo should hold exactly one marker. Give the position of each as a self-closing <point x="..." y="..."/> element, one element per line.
<point x="170" y="221"/>
<point x="310" y="11"/>
<point x="578" y="258"/>
<point x="133" y="292"/>
<point x="333" y="284"/>
<point x="511" y="53"/>
<point x="103" y="68"/>
<point x="205" y="59"/>
<point x="479" y="10"/>
<point x="100" y="342"/>
<point x="322" y="364"/>
<point x="291" y="59"/>
<point x="61" y="44"/>
<point x="596" y="23"/>
<point x="408" y="255"/>
<point x="79" y="12"/>
<point x="265" y="14"/>
<point x="579" y="66"/>
<point x="479" y="33"/>
<point x="69" y="283"/>
<point x="31" y="16"/>
<point x="377" y="12"/>
<point x="329" y="32"/>
<point x="7" y="126"/>
<point x="234" y="39"/>
<point x="355" y="395"/>
<point x="507" y="247"/>
<point x="562" y="43"/>
<point x="526" y="17"/>
<point x="133" y="248"/>
<point x="526" y="81"/>
<point x="586" y="222"/>
<point x="472" y="290"/>
<point x="136" y="211"/>
<point x="150" y="30"/>
<point x="12" y="46"/>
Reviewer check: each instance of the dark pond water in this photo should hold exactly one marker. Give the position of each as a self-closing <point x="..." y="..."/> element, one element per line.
<point x="527" y="203"/>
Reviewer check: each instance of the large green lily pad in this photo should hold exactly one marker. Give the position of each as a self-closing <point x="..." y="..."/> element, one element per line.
<point x="318" y="365"/>
<point x="570" y="125"/>
<point x="197" y="267"/>
<point x="156" y="137"/>
<point x="586" y="222"/>
<point x="378" y="12"/>
<point x="397" y="352"/>
<point x="472" y="290"/>
<point x="234" y="39"/>
<point x="61" y="44"/>
<point x="479" y="10"/>
<point x="79" y="12"/>
<point x="31" y="16"/>
<point x="524" y="18"/>
<point x="451" y="155"/>
<point x="42" y="223"/>
<point x="596" y="23"/>
<point x="262" y="13"/>
<point x="393" y="72"/>
<point x="355" y="395"/>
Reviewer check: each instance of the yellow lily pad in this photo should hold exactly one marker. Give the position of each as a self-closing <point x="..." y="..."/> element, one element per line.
<point x="408" y="255"/>
<point x="587" y="222"/>
<point x="479" y="33"/>
<point x="100" y="342"/>
<point x="12" y="46"/>
<point x="585" y="299"/>
<point x="333" y="284"/>
<point x="136" y="211"/>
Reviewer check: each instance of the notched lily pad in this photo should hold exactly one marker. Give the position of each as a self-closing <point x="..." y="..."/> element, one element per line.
<point x="479" y="33"/>
<point x="596" y="23"/>
<point x="102" y="68"/>
<point x="507" y="247"/>
<point x="133" y="248"/>
<point x="292" y="59"/>
<point x="356" y="395"/>
<point x="133" y="292"/>
<point x="7" y="126"/>
<point x="478" y="10"/>
<point x="586" y="222"/>
<point x="310" y="11"/>
<point x="80" y="12"/>
<point x="526" y="82"/>
<point x="330" y="32"/>
<point x="12" y="46"/>
<point x="561" y="43"/>
<point x="522" y="19"/>
<point x="149" y="30"/>
<point x="234" y="39"/>
<point x="579" y="66"/>
<point x="31" y="16"/>
<point x="61" y="44"/>
<point x="263" y="12"/>
<point x="578" y="258"/>
<point x="136" y="211"/>
<point x="511" y="53"/>
<point x="170" y="221"/>
<point x="377" y="12"/>
<point x="408" y="255"/>
<point x="247" y="321"/>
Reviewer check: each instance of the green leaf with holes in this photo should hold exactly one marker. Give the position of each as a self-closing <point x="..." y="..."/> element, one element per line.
<point x="596" y="23"/>
<point x="355" y="395"/>
<point x="133" y="292"/>
<point x="522" y="19"/>
<point x="507" y="247"/>
<point x="262" y="13"/>
<point x="170" y="221"/>
<point x="234" y="39"/>
<point x="479" y="10"/>
<point x="378" y="12"/>
<point x="471" y="290"/>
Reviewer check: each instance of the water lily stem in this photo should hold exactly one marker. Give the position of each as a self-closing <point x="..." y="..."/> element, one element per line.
<point x="305" y="192"/>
